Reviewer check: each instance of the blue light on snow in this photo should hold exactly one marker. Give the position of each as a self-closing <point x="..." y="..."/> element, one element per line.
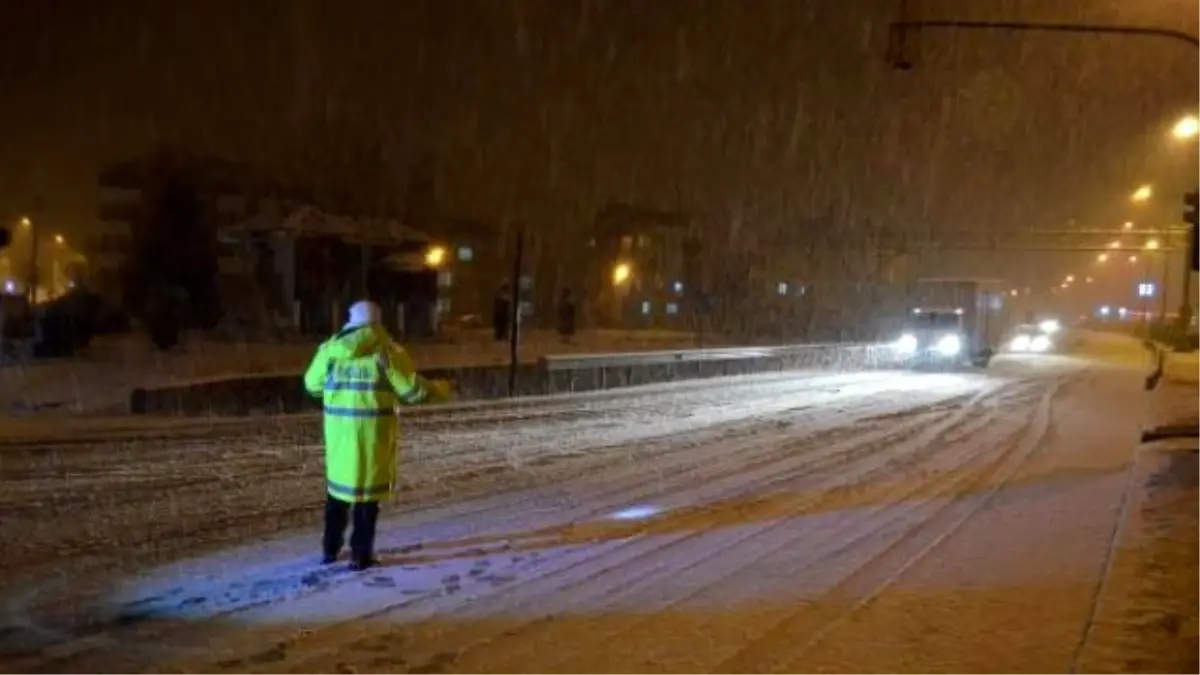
<point x="635" y="513"/>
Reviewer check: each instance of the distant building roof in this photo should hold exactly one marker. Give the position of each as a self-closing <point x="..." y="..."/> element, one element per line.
<point x="312" y="221"/>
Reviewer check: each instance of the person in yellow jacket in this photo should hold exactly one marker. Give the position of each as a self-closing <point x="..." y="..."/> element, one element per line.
<point x="362" y="376"/>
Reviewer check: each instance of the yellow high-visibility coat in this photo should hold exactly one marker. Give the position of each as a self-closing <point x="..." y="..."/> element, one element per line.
<point x="361" y="375"/>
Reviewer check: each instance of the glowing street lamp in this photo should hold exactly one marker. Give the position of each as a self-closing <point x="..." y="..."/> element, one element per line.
<point x="26" y="222"/>
<point x="1070" y="278"/>
<point x="1143" y="193"/>
<point x="1114" y="244"/>
<point x="58" y="239"/>
<point x="435" y="256"/>
<point x="1187" y="127"/>
<point x="1152" y="245"/>
<point x="621" y="273"/>
<point x="1102" y="258"/>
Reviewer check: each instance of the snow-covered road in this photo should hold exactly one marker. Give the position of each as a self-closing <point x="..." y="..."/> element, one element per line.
<point x="888" y="521"/>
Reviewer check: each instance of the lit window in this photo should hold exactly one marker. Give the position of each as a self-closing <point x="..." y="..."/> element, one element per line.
<point x="672" y="308"/>
<point x="782" y="288"/>
<point x="445" y="279"/>
<point x="678" y="286"/>
<point x="465" y="254"/>
<point x="526" y="282"/>
<point x="443" y="305"/>
<point x="645" y="307"/>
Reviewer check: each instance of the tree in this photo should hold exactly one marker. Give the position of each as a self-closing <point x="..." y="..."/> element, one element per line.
<point x="170" y="275"/>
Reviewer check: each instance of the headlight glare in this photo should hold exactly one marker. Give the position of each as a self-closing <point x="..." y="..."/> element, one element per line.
<point x="906" y="344"/>
<point x="949" y="345"/>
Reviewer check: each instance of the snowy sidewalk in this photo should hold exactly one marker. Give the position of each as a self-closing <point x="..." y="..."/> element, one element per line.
<point x="1147" y="615"/>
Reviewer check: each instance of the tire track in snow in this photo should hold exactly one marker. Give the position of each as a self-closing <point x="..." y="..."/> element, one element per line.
<point x="519" y="639"/>
<point x="247" y="512"/>
<point x="756" y="442"/>
<point x="621" y="491"/>
<point x="228" y="466"/>
<point x="723" y="449"/>
<point x="575" y="561"/>
<point x="780" y="638"/>
<point x="602" y="555"/>
<point x="421" y="428"/>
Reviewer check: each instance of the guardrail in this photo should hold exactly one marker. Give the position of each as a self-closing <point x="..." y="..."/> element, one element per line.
<point x="553" y="374"/>
<point x="555" y="362"/>
<point x="588" y="372"/>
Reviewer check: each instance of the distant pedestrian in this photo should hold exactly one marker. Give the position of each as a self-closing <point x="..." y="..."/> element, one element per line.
<point x="501" y="313"/>
<point x="566" y="315"/>
<point x="362" y="376"/>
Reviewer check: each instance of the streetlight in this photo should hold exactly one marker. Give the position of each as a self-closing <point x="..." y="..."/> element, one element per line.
<point x="1152" y="245"/>
<point x="1142" y="194"/>
<point x="621" y="273"/>
<point x="1187" y="127"/>
<point x="1070" y="278"/>
<point x="1102" y="258"/>
<point x="58" y="239"/>
<point x="435" y="256"/>
<point x="26" y="222"/>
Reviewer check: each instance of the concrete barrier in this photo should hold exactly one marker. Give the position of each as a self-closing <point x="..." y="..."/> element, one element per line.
<point x="551" y="375"/>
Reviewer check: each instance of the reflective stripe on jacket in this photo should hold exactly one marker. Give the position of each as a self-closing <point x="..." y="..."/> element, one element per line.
<point x="361" y="375"/>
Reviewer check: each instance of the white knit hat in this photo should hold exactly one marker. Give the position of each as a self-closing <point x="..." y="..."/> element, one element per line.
<point x="363" y="313"/>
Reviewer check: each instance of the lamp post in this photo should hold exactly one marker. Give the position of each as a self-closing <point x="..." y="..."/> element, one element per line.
<point x="30" y="225"/>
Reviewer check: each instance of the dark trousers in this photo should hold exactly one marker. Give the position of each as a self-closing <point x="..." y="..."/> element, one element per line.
<point x="362" y="537"/>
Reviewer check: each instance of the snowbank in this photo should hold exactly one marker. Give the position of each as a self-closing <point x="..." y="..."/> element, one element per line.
<point x="1112" y="348"/>
<point x="101" y="380"/>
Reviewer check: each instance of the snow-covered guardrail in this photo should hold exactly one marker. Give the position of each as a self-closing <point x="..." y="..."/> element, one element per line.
<point x="556" y="362"/>
<point x="553" y="374"/>
<point x="588" y="372"/>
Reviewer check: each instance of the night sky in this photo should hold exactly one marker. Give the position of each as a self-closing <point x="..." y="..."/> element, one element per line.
<point x="758" y="112"/>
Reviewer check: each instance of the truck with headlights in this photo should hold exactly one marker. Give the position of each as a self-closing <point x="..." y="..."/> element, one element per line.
<point x="952" y="323"/>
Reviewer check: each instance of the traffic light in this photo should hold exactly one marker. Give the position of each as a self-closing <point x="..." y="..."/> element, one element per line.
<point x="1190" y="215"/>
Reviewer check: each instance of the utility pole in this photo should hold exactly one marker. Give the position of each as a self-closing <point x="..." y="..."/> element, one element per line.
<point x="1186" y="309"/>
<point x="33" y="260"/>
<point x="1191" y="215"/>
<point x="514" y="315"/>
